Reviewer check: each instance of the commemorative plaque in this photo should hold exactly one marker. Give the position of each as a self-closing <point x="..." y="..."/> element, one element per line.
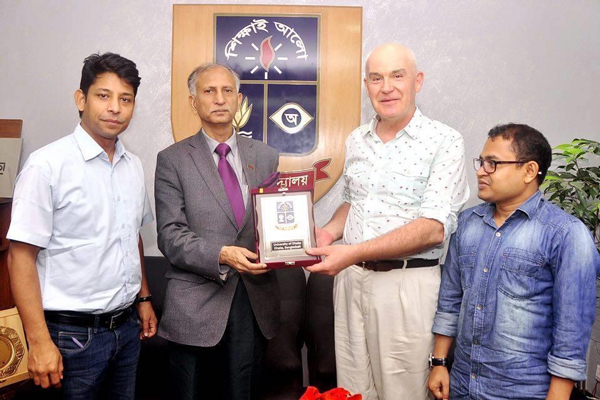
<point x="13" y="353"/>
<point x="284" y="224"/>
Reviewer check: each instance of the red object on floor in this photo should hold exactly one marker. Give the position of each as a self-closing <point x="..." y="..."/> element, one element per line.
<point x="312" y="393"/>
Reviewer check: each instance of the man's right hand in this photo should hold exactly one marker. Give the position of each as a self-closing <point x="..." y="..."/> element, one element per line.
<point x="239" y="258"/>
<point x="439" y="383"/>
<point x="45" y="364"/>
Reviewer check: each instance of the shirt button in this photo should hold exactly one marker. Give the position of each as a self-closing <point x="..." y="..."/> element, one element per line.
<point x="123" y="226"/>
<point x="475" y="342"/>
<point x="119" y="198"/>
<point x="485" y="270"/>
<point x="479" y="307"/>
<point x="498" y="234"/>
<point x="474" y="376"/>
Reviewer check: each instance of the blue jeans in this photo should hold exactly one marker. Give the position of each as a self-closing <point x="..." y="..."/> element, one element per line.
<point x="98" y="362"/>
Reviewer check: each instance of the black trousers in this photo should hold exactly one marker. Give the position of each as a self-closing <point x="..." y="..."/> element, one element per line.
<point x="228" y="371"/>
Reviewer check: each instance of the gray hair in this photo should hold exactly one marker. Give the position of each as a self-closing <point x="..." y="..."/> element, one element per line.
<point x="410" y="53"/>
<point x="193" y="78"/>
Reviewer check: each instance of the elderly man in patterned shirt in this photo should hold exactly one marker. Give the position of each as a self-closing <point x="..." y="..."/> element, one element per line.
<point x="405" y="183"/>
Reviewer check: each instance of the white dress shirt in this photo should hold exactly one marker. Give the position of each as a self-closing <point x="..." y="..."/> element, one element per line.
<point x="418" y="174"/>
<point x="85" y="214"/>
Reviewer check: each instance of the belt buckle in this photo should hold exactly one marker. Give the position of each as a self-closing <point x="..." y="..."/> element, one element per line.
<point x="114" y="320"/>
<point x="369" y="265"/>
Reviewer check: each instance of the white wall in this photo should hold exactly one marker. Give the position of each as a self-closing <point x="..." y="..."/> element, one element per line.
<point x="485" y="61"/>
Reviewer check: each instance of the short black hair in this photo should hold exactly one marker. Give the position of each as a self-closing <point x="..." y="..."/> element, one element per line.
<point x="97" y="64"/>
<point x="527" y="143"/>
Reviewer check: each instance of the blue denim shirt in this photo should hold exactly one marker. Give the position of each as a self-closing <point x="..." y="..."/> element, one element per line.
<point x="519" y="299"/>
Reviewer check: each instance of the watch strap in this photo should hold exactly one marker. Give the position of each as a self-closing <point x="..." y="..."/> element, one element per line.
<point x="437" y="362"/>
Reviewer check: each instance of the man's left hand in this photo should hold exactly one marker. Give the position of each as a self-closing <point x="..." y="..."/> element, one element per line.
<point x="338" y="257"/>
<point x="148" y="318"/>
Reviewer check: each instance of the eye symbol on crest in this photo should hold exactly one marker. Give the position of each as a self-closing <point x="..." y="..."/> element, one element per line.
<point x="291" y="118"/>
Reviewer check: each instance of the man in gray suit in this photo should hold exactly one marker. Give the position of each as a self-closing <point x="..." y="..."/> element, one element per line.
<point x="220" y="306"/>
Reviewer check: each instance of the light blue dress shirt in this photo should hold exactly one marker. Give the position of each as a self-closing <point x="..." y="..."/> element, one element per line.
<point x="85" y="213"/>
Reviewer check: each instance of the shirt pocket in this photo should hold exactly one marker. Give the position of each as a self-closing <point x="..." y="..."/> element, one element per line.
<point x="519" y="273"/>
<point x="466" y="264"/>
<point x="408" y="180"/>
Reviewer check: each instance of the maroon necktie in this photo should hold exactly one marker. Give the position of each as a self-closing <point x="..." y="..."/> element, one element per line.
<point x="231" y="184"/>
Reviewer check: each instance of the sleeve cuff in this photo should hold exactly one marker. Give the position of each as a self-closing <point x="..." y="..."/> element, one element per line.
<point x="223" y="270"/>
<point x="213" y="253"/>
<point x="445" y="324"/>
<point x="569" y="369"/>
<point x="446" y="218"/>
<point x="27" y="236"/>
<point x="438" y="215"/>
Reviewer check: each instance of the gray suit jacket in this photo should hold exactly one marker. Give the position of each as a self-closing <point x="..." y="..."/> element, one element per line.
<point x="194" y="220"/>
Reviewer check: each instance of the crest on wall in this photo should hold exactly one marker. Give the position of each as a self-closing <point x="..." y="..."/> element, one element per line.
<point x="277" y="59"/>
<point x="300" y="93"/>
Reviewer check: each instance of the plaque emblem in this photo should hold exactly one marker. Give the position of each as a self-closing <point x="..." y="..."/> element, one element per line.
<point x="285" y="216"/>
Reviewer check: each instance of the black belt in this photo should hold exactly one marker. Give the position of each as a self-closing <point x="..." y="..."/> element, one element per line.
<point x="111" y="320"/>
<point x="388" y="265"/>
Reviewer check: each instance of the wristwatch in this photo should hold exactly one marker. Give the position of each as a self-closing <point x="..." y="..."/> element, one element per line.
<point x="435" y="362"/>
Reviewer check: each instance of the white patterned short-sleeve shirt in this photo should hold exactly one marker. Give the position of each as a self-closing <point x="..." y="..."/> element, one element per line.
<point x="418" y="174"/>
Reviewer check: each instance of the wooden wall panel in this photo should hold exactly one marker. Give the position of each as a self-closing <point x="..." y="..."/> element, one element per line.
<point x="9" y="128"/>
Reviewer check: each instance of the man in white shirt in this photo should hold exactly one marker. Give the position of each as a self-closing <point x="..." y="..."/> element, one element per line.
<point x="76" y="256"/>
<point x="405" y="183"/>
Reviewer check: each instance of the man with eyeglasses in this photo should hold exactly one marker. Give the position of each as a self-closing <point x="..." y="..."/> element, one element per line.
<point x="405" y="182"/>
<point x="518" y="285"/>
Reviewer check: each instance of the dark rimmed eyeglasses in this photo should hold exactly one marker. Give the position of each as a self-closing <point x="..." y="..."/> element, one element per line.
<point x="489" y="166"/>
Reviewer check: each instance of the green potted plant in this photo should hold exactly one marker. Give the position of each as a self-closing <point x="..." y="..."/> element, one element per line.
<point x="574" y="184"/>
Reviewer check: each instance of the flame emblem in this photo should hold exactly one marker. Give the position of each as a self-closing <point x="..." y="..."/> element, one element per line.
<point x="267" y="53"/>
